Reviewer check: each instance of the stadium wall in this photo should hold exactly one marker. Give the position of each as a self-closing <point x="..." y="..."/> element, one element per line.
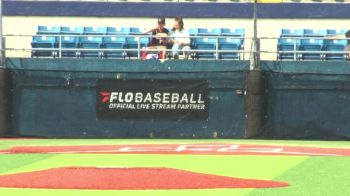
<point x="305" y="100"/>
<point x="308" y="100"/>
<point x="57" y="98"/>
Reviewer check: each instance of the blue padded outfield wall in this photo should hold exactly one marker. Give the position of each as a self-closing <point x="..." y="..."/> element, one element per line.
<point x="57" y="98"/>
<point x="308" y="100"/>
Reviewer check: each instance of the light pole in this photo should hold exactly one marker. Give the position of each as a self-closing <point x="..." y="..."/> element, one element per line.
<point x="2" y="52"/>
<point x="254" y="61"/>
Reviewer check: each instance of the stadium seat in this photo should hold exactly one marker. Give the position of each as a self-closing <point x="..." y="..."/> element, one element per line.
<point x="133" y="43"/>
<point x="229" y="44"/>
<point x="331" y="32"/>
<point x="335" y="45"/>
<point x="315" y="33"/>
<point x="71" y="43"/>
<point x="135" y="31"/>
<point x="118" y="31"/>
<point x="95" y="30"/>
<point x="44" y="42"/>
<point x="193" y="31"/>
<point x="232" y="32"/>
<point x="114" y="43"/>
<point x="72" y="30"/>
<point x="90" y="42"/>
<point x="288" y="44"/>
<point x="292" y="33"/>
<point x="209" y="32"/>
<point x="48" y="30"/>
<point x="205" y="44"/>
<point x="312" y="45"/>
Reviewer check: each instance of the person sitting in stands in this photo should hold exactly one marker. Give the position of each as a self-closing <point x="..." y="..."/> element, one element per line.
<point x="180" y="39"/>
<point x="159" y="38"/>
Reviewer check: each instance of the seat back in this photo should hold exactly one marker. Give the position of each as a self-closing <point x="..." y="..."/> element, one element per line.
<point x="95" y="30"/>
<point x="48" y="30"/>
<point x="72" y="30"/>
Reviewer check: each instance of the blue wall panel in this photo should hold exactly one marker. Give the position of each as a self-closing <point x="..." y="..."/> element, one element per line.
<point x="308" y="100"/>
<point x="56" y="98"/>
<point x="187" y="10"/>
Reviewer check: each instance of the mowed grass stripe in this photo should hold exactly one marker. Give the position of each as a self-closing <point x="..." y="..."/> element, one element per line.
<point x="313" y="177"/>
<point x="264" y="167"/>
<point x="9" y="162"/>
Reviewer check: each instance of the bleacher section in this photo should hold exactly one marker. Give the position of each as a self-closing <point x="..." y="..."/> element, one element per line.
<point x="311" y="44"/>
<point x="114" y="42"/>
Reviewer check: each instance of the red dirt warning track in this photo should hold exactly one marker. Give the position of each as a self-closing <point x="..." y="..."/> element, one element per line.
<point x="206" y="149"/>
<point x="127" y="179"/>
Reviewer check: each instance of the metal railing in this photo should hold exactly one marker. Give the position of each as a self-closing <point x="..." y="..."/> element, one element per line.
<point x="299" y="50"/>
<point x="59" y="49"/>
<point x="20" y="46"/>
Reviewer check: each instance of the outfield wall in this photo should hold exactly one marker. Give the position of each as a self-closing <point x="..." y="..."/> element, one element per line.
<point x="308" y="100"/>
<point x="57" y="98"/>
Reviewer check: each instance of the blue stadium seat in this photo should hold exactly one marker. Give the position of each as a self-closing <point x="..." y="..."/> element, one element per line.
<point x="209" y="32"/>
<point x="335" y="32"/>
<point x="95" y="30"/>
<point x="91" y="43"/>
<point x="72" y="30"/>
<point x="230" y="44"/>
<point x="193" y="31"/>
<point x="118" y="31"/>
<point x="292" y="33"/>
<point x="71" y="43"/>
<point x="315" y="33"/>
<point x="48" y="30"/>
<point x="114" y="43"/>
<point x="44" y="42"/>
<point x="205" y="44"/>
<point x="335" y="45"/>
<point x="233" y="32"/>
<point x="135" y="31"/>
<point x="132" y="43"/>
<point x="288" y="44"/>
<point x="312" y="45"/>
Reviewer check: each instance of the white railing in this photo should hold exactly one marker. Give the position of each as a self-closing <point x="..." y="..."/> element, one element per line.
<point x="15" y="43"/>
<point x="298" y="50"/>
<point x="20" y="46"/>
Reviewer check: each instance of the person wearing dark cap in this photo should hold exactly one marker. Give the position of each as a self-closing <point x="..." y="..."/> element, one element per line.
<point x="159" y="38"/>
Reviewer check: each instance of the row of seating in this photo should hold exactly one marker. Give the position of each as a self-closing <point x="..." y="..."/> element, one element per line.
<point x="64" y="30"/>
<point x="307" y="44"/>
<point x="121" y="47"/>
<point x="311" y="32"/>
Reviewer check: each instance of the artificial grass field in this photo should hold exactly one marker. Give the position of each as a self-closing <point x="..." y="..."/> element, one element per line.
<point x="307" y="175"/>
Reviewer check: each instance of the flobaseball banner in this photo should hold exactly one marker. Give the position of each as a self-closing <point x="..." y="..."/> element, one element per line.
<point x="152" y="99"/>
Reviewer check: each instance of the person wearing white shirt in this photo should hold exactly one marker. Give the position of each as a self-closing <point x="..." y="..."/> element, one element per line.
<point x="180" y="39"/>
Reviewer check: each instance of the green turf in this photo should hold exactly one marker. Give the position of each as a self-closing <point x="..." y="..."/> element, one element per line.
<point x="5" y="144"/>
<point x="307" y="175"/>
<point x="14" y="161"/>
